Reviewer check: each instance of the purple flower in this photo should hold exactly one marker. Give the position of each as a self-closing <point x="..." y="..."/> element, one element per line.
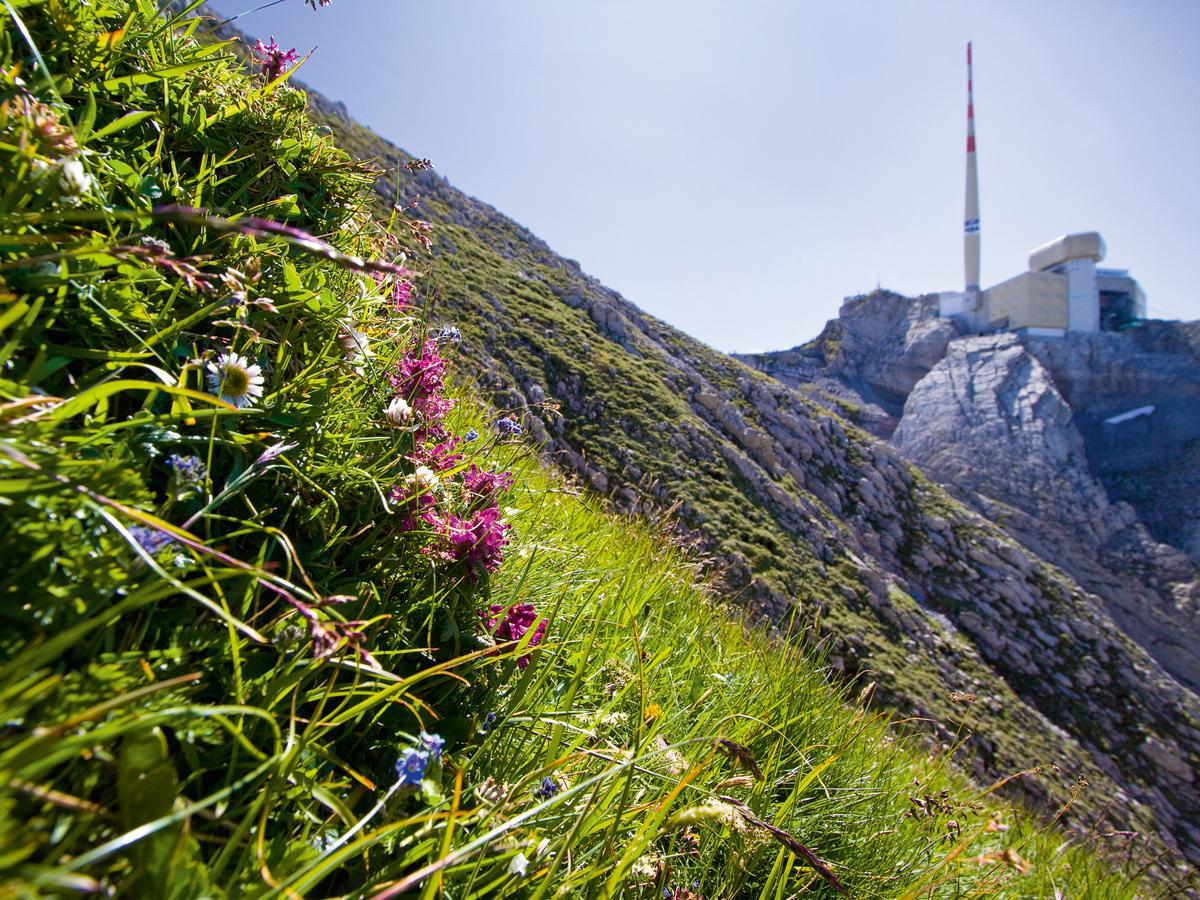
<point x="150" y="539"/>
<point x="477" y="541"/>
<point x="418" y="378"/>
<point x="508" y="427"/>
<point x="410" y="767"/>
<point x="512" y="624"/>
<point x="402" y="293"/>
<point x="274" y="452"/>
<point x="485" y="485"/>
<point x="275" y="60"/>
<point x="432" y="744"/>
<point x="450" y="334"/>
<point x="189" y="470"/>
<point x="471" y="435"/>
<point x="439" y="458"/>
<point x="488" y="722"/>
<point x="547" y="789"/>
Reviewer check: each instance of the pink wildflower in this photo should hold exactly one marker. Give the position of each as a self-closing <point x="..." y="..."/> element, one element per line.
<point x="401" y="293"/>
<point x="402" y="288"/>
<point x="419" y="380"/>
<point x="275" y="60"/>
<point x="485" y="485"/>
<point x="512" y="624"/>
<point x="477" y="541"/>
<point x="440" y="457"/>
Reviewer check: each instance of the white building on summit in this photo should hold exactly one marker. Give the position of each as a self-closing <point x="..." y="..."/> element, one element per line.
<point x="1062" y="291"/>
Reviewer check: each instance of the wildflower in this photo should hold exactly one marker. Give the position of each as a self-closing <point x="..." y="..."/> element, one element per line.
<point x="189" y="470"/>
<point x="511" y="625"/>
<point x="401" y="293"/>
<point x="488" y="722"/>
<point x="158" y="246"/>
<point x="275" y="60"/>
<point x="508" y="427"/>
<point x="356" y="346"/>
<point x="441" y="457"/>
<point x="398" y="412"/>
<point x="419" y="378"/>
<point x="547" y="789"/>
<point x="432" y="744"/>
<point x="235" y="379"/>
<point x="73" y="179"/>
<point x="150" y="539"/>
<point x="518" y="865"/>
<point x="485" y="485"/>
<point x="410" y="767"/>
<point x="471" y="435"/>
<point x="491" y="791"/>
<point x="315" y="3"/>
<point x="274" y="452"/>
<point x="422" y="481"/>
<point x="477" y="541"/>
<point x="450" y="334"/>
<point x="615" y="720"/>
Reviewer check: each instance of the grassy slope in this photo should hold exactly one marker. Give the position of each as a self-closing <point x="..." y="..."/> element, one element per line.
<point x="633" y="410"/>
<point x="168" y="730"/>
<point x="628" y="387"/>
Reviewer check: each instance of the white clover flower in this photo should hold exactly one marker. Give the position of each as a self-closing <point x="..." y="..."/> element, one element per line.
<point x="73" y="178"/>
<point x="235" y="380"/>
<point x="423" y="480"/>
<point x="518" y="865"/>
<point x="398" y="412"/>
<point x="356" y="346"/>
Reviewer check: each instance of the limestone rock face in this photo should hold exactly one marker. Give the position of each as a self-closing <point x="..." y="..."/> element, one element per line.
<point x="1136" y="402"/>
<point x="989" y="419"/>
<point x="868" y="359"/>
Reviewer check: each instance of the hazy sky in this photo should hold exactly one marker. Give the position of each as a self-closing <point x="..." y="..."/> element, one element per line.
<point x="737" y="168"/>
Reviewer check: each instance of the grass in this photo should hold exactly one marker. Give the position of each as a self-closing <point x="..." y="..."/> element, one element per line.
<point x="208" y="672"/>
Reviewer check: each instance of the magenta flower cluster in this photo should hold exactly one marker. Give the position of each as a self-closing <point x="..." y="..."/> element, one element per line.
<point x="512" y="624"/>
<point x="274" y="59"/>
<point x="472" y="533"/>
<point x="400" y="288"/>
<point x="419" y="378"/>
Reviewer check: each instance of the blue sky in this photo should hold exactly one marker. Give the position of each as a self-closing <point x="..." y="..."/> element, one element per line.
<point x="737" y="168"/>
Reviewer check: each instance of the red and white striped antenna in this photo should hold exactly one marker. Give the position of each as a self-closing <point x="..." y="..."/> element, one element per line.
<point x="971" y="217"/>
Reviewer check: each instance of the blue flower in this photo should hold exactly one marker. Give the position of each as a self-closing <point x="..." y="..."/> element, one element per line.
<point x="488" y="721"/>
<point x="189" y="470"/>
<point x="150" y="539"/>
<point x="471" y="435"/>
<point x="547" y="789"/>
<point x="410" y="767"/>
<point x="450" y="334"/>
<point x="432" y="744"/>
<point x="508" y="427"/>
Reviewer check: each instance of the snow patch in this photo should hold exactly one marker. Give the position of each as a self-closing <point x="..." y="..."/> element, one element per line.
<point x="1132" y="414"/>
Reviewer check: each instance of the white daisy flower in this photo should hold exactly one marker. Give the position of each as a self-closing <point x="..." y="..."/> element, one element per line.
<point x="398" y="412"/>
<point x="235" y="379"/>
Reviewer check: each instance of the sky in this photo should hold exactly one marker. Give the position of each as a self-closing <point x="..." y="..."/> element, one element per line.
<point x="738" y="167"/>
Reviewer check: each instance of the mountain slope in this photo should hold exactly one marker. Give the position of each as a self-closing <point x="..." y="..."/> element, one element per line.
<point x="927" y="600"/>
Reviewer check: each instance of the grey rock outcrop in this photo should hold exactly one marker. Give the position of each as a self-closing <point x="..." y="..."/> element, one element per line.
<point x="990" y="420"/>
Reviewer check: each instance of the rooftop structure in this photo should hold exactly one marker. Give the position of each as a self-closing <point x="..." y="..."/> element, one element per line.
<point x="1062" y="291"/>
